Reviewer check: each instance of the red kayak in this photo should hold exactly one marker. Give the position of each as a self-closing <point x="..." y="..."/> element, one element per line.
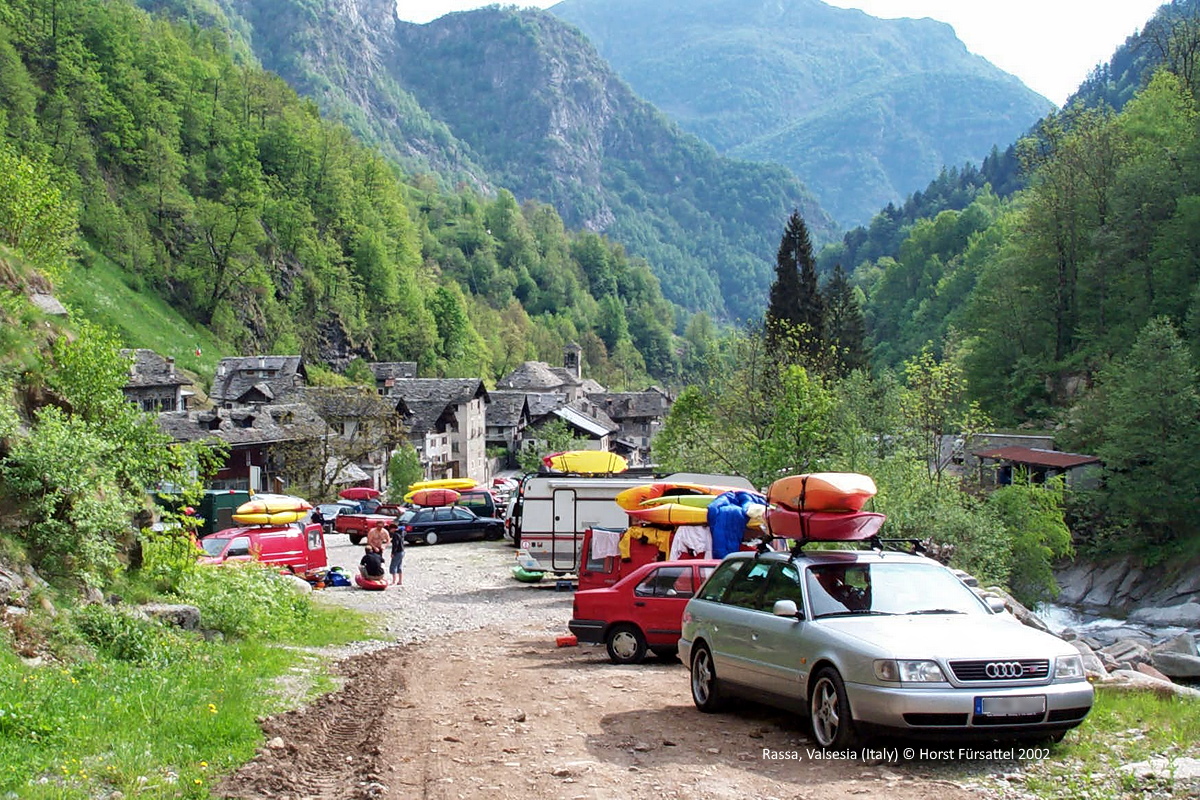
<point x="823" y="526"/>
<point x="435" y="497"/>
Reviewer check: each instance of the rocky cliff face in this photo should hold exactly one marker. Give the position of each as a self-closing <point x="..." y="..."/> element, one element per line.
<point x="1162" y="595"/>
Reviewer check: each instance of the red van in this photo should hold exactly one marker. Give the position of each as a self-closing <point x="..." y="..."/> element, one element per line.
<point x="299" y="546"/>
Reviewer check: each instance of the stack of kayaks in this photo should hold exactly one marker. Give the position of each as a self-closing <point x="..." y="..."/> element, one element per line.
<point x="670" y="503"/>
<point x="272" y="509"/>
<point x="822" y="507"/>
<point x="453" y="484"/>
<point x="586" y="462"/>
<point x="434" y="497"/>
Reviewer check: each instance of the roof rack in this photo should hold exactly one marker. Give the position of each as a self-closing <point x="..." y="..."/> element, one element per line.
<point x="915" y="546"/>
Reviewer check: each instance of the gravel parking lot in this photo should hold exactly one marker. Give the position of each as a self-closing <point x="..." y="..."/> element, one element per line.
<point x="474" y="699"/>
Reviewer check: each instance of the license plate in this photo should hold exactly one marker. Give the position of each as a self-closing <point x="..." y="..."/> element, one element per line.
<point x="1010" y="706"/>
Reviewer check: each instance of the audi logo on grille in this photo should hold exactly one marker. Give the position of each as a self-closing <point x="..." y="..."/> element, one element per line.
<point x="1004" y="669"/>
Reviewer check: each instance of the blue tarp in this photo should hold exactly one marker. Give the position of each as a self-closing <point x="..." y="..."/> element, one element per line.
<point x="727" y="519"/>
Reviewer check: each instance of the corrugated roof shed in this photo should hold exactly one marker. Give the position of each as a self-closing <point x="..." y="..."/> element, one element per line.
<point x="1038" y="458"/>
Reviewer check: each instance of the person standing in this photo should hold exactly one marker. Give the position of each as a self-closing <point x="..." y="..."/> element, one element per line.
<point x="377" y="538"/>
<point x="396" y="566"/>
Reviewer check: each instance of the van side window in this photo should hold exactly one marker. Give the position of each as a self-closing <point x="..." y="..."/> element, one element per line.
<point x="715" y="586"/>
<point x="239" y="547"/>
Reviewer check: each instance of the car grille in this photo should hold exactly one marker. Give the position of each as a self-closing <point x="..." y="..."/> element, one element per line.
<point x="1068" y="714"/>
<point x="936" y="720"/>
<point x="1001" y="669"/>
<point x="1015" y="719"/>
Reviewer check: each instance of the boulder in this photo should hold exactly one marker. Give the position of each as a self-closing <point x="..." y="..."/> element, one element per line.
<point x="1183" y="643"/>
<point x="180" y="615"/>
<point x="1128" y="679"/>
<point x="1176" y="665"/>
<point x="1128" y="651"/>
<point x="9" y="583"/>
<point x="1186" y="615"/>
<point x="1146" y="669"/>
<point x="1133" y="580"/>
<point x="1165" y="769"/>
<point x="967" y="578"/>
<point x="1093" y="667"/>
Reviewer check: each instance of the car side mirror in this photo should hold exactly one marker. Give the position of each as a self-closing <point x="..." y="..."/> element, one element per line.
<point x="996" y="604"/>
<point x="785" y="608"/>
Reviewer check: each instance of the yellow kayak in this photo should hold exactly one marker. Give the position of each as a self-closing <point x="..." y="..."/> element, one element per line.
<point x="457" y="484"/>
<point x="274" y="504"/>
<point x="586" y="462"/>
<point x="276" y="518"/>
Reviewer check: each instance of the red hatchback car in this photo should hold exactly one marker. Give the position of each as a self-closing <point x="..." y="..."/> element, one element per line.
<point x="640" y="612"/>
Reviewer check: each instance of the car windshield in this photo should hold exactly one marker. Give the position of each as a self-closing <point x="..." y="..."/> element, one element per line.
<point x="213" y="547"/>
<point x="407" y="517"/>
<point x="887" y="588"/>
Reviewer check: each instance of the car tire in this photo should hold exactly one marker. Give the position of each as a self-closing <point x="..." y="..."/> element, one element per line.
<point x="829" y="712"/>
<point x="625" y="644"/>
<point x="431" y="538"/>
<point x="493" y="534"/>
<point x="355" y="538"/>
<point x="706" y="690"/>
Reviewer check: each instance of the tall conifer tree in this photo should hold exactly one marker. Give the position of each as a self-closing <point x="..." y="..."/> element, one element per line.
<point x="796" y="307"/>
<point x="844" y="323"/>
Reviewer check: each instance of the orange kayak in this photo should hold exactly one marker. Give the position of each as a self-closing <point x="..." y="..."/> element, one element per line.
<point x="632" y="499"/>
<point x="822" y="491"/>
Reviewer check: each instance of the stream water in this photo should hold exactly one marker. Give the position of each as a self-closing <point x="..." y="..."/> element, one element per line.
<point x="1103" y="629"/>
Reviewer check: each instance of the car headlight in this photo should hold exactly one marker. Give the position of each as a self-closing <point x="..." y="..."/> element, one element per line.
<point x="1069" y="668"/>
<point x="908" y="671"/>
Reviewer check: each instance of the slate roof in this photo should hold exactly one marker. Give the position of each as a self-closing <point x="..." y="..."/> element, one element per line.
<point x="584" y="422"/>
<point x="240" y="380"/>
<point x="1038" y="458"/>
<point x="447" y="390"/>
<point x="534" y="376"/>
<point x="245" y="426"/>
<point x="148" y="368"/>
<point x="506" y="408"/>
<point x="566" y="377"/>
<point x="625" y="405"/>
<point x="541" y="404"/>
<point x="392" y="370"/>
<point x="423" y="416"/>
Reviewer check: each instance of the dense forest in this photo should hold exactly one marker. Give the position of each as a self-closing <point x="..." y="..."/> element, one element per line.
<point x="208" y="181"/>
<point x="1074" y="304"/>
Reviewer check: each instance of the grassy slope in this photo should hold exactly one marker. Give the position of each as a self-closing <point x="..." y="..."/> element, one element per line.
<point x="101" y="292"/>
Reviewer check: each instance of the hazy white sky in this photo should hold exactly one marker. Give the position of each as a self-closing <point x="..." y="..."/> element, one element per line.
<point x="1049" y="44"/>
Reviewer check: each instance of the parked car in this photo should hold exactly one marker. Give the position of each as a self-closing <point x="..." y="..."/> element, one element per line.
<point x="356" y="525"/>
<point x="330" y="512"/>
<point x="481" y="501"/>
<point x="640" y="612"/>
<point x="301" y="547"/>
<point x="869" y="641"/>
<point x="447" y="524"/>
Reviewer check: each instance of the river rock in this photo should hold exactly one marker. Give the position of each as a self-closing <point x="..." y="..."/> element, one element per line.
<point x="1186" y="615"/>
<point x="180" y="615"/>
<point x="1128" y="651"/>
<point x="1183" y="643"/>
<point x="1166" y="769"/>
<point x="1146" y="669"/>
<point x="1129" y="679"/>
<point x="1074" y="583"/>
<point x="1093" y="667"/>
<point x="1176" y="665"/>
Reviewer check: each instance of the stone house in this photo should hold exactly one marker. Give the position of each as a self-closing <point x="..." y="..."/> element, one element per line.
<point x="154" y="384"/>
<point x="256" y="380"/>
<point x="255" y="437"/>
<point x="443" y="412"/>
<point x="638" y="415"/>
<point x="388" y="372"/>
<point x="507" y="418"/>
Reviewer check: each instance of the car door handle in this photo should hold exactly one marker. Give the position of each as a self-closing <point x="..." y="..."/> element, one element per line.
<point x="640" y="604"/>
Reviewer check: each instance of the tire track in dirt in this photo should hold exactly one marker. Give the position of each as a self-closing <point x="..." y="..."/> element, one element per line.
<point x="331" y="749"/>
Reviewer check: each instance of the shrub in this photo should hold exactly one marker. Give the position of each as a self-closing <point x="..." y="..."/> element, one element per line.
<point x="121" y="636"/>
<point x="246" y="600"/>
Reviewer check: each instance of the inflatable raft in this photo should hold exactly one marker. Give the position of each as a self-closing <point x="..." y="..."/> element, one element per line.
<point x="272" y="509"/>
<point x="370" y="585"/>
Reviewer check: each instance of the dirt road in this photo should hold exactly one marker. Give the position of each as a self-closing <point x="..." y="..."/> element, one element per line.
<point x="497" y="710"/>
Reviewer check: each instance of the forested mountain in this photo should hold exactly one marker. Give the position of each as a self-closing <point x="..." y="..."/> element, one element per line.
<point x="863" y="110"/>
<point x="524" y="102"/>
<point x="201" y="178"/>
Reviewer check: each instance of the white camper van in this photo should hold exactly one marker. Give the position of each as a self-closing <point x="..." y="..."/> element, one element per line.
<point x="553" y="511"/>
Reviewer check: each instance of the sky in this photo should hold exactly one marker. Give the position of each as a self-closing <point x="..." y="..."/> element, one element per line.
<point x="1051" y="45"/>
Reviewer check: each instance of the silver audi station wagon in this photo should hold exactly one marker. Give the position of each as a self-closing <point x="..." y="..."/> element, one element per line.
<point x="876" y="641"/>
